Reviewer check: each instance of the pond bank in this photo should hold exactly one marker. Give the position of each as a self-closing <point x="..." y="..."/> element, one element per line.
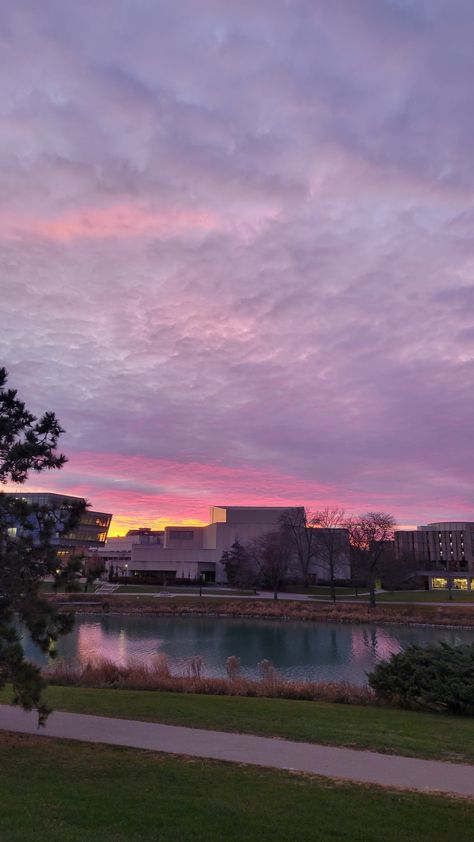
<point x="456" y="616"/>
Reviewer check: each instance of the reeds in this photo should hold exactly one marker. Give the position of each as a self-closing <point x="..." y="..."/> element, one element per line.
<point x="156" y="675"/>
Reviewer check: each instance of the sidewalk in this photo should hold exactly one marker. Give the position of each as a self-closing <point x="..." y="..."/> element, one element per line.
<point x="358" y="766"/>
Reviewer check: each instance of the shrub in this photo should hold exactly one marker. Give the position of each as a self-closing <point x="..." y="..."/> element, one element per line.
<point x="232" y="666"/>
<point x="439" y="678"/>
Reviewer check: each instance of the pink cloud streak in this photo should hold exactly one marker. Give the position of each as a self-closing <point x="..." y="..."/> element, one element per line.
<point x="118" y="221"/>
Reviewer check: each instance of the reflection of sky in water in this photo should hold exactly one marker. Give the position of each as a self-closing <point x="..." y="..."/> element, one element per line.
<point x="317" y="651"/>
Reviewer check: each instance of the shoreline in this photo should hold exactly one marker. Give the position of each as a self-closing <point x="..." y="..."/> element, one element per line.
<point x="426" y="616"/>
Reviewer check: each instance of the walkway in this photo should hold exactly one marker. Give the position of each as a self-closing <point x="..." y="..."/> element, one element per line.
<point x="344" y="763"/>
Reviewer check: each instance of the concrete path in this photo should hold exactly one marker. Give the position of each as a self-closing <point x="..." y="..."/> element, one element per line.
<point x="343" y="763"/>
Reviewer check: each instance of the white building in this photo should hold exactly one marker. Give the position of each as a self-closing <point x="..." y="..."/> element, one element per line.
<point x="191" y="552"/>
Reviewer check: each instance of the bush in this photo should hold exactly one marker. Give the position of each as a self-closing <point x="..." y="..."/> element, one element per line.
<point x="438" y="678"/>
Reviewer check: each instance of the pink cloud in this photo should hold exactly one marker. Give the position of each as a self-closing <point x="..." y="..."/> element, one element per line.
<point x="117" y="221"/>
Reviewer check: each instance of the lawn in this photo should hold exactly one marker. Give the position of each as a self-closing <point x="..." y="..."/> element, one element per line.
<point x="60" y="791"/>
<point x="410" y="733"/>
<point x="182" y="589"/>
<point x="425" y="596"/>
<point x="323" y="590"/>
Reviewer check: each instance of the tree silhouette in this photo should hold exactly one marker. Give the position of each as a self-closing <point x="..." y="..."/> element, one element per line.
<point x="27" y="550"/>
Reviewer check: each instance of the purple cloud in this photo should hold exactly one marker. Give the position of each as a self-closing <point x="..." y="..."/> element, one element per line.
<point x="241" y="236"/>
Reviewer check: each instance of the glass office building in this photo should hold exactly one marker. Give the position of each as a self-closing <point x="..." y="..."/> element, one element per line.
<point x="90" y="532"/>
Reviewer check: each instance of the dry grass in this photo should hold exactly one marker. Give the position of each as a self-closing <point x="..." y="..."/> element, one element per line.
<point x="157" y="676"/>
<point x="455" y="615"/>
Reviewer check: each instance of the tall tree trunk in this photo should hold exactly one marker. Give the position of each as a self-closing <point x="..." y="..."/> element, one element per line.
<point x="372" y="593"/>
<point x="333" y="590"/>
<point x="275" y="590"/>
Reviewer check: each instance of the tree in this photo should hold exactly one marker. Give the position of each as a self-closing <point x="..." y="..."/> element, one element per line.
<point x="94" y="569"/>
<point x="331" y="541"/>
<point x="27" y="552"/>
<point x="237" y="565"/>
<point x="67" y="575"/>
<point x="370" y="536"/>
<point x="272" y="556"/>
<point x="298" y="525"/>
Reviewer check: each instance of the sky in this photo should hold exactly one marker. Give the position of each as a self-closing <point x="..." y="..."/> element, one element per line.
<point x="237" y="254"/>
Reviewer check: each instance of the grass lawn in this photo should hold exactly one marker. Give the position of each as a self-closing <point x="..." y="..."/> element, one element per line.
<point x="181" y="589"/>
<point x="425" y="596"/>
<point x="322" y="590"/>
<point x="409" y="733"/>
<point x="60" y="791"/>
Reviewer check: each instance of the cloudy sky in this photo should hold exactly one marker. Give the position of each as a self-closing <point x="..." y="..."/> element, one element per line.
<point x="237" y="254"/>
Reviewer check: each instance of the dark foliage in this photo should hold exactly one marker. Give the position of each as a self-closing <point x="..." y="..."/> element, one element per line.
<point x="438" y="678"/>
<point x="26" y="550"/>
<point x="238" y="566"/>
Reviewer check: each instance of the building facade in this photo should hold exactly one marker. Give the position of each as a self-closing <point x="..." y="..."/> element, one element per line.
<point x="90" y="532"/>
<point x="195" y="552"/>
<point x="443" y="552"/>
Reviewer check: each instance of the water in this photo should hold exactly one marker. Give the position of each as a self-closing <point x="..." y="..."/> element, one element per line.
<point x="299" y="650"/>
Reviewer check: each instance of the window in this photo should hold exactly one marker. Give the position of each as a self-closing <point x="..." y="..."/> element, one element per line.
<point x="460" y="584"/>
<point x="439" y="582"/>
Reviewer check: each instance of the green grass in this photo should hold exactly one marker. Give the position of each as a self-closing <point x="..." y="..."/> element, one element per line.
<point x="60" y="791"/>
<point x="322" y="590"/>
<point x="409" y="733"/>
<point x="425" y="596"/>
<point x="181" y="589"/>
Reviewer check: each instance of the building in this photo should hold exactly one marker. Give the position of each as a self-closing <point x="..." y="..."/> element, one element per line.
<point x="116" y="555"/>
<point x="195" y="552"/>
<point x="90" y="532"/>
<point x="443" y="553"/>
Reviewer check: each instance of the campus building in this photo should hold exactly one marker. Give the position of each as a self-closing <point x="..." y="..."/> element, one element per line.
<point x="90" y="532"/>
<point x="116" y="555"/>
<point x="195" y="552"/>
<point x="443" y="552"/>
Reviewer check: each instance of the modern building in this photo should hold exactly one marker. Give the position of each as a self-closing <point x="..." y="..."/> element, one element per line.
<point x="195" y="552"/>
<point x="443" y="553"/>
<point x="116" y="555"/>
<point x="90" y="532"/>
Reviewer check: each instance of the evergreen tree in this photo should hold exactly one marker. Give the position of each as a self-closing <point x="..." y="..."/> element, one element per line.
<point x="27" y="553"/>
<point x="237" y="565"/>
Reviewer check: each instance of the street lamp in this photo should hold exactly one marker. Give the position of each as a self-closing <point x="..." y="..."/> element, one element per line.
<point x="201" y="577"/>
<point x="126" y="572"/>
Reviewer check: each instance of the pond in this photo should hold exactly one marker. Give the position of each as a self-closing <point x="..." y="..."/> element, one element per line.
<point x="299" y="650"/>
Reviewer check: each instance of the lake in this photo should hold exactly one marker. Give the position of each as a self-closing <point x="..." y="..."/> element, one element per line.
<point x="299" y="650"/>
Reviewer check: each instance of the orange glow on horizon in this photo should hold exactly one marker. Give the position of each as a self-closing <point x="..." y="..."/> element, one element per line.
<point x="120" y="525"/>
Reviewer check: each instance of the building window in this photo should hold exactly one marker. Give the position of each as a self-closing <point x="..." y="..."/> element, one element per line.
<point x="439" y="582"/>
<point x="460" y="584"/>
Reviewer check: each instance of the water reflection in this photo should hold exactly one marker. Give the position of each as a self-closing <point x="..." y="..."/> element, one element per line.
<point x="316" y="651"/>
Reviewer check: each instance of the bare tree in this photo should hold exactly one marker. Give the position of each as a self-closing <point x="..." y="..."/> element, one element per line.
<point x="369" y="536"/>
<point x="297" y="524"/>
<point x="331" y="541"/>
<point x="272" y="556"/>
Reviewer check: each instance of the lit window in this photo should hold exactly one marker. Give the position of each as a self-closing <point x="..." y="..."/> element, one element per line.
<point x="460" y="584"/>
<point x="439" y="582"/>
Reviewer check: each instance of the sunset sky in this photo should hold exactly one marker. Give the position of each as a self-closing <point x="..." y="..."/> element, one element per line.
<point x="237" y="250"/>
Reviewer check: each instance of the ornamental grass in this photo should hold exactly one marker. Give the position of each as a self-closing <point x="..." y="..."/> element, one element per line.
<point x="157" y="675"/>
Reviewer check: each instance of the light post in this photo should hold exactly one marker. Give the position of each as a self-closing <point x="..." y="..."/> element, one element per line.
<point x="201" y="576"/>
<point x="126" y="573"/>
